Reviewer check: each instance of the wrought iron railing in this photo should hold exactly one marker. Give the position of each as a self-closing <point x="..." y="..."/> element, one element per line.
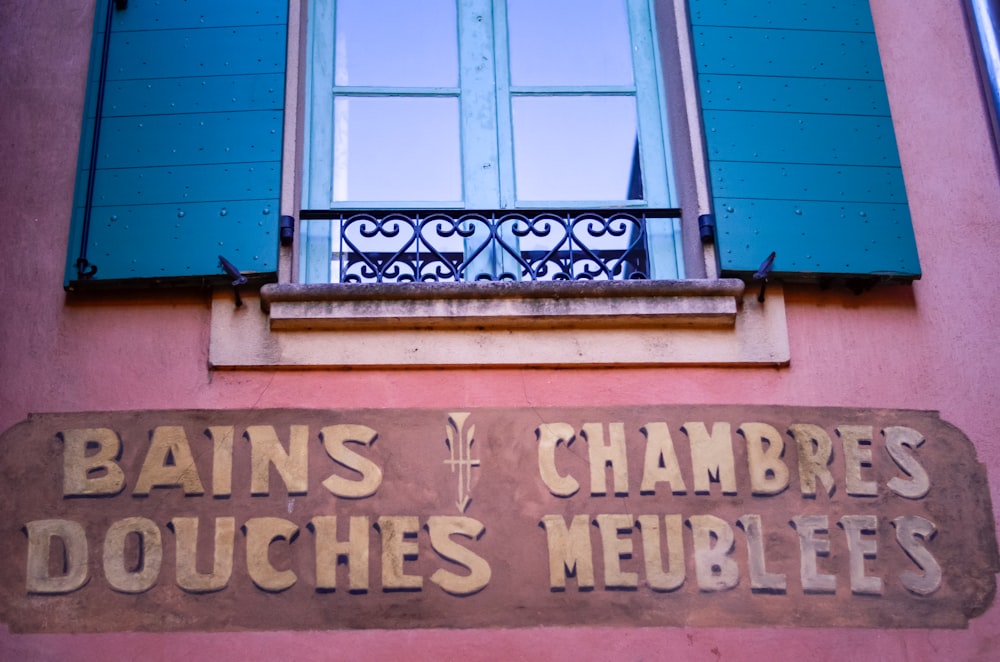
<point x="394" y="246"/>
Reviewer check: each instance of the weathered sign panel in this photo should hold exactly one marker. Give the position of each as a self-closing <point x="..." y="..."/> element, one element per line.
<point x="645" y="516"/>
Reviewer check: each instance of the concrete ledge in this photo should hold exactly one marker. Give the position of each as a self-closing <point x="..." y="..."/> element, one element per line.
<point x="622" y="304"/>
<point x="248" y="337"/>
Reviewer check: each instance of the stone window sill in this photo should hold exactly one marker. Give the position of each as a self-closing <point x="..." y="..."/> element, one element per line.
<point x="689" y="322"/>
<point x="579" y="304"/>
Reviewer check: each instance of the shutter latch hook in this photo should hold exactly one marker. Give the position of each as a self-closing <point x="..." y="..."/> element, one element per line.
<point x="238" y="278"/>
<point x="761" y="275"/>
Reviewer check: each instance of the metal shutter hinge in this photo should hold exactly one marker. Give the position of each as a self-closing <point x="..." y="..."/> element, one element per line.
<point x="286" y="230"/>
<point x="706" y="228"/>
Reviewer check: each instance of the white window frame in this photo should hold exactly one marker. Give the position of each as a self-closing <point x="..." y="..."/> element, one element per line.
<point x="486" y="163"/>
<point x="703" y="320"/>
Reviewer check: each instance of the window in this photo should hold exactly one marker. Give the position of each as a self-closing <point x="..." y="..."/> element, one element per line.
<point x="779" y="124"/>
<point x="525" y="119"/>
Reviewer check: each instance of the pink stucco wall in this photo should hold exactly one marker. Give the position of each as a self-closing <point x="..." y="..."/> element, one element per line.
<point x="930" y="346"/>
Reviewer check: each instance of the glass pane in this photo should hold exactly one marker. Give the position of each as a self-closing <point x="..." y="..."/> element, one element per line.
<point x="568" y="42"/>
<point x="575" y="148"/>
<point x="394" y="43"/>
<point x="396" y="149"/>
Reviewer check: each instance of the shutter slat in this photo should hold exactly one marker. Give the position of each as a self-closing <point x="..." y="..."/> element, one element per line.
<point x="793" y="95"/>
<point x="847" y="15"/>
<point x="793" y="53"/>
<point x="161" y="140"/>
<point x="202" y="52"/>
<point x="187" y="183"/>
<point x="209" y="94"/>
<point x="807" y="182"/>
<point x="826" y="238"/>
<point x="800" y="138"/>
<point x="171" y="14"/>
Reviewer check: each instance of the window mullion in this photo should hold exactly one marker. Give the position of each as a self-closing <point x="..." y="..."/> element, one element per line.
<point x="663" y="235"/>
<point x="481" y="165"/>
<point x="478" y="104"/>
<point x="505" y="131"/>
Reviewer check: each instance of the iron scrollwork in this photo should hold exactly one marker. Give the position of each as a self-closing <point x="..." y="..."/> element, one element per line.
<point x="437" y="246"/>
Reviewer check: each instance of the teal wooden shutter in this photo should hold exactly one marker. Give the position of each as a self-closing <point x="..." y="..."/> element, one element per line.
<point x="188" y="158"/>
<point x="801" y="149"/>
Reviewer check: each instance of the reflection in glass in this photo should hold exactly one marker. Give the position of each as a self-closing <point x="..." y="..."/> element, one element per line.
<point x="396" y="149"/>
<point x="568" y="42"/>
<point x="575" y="148"/>
<point x="391" y="43"/>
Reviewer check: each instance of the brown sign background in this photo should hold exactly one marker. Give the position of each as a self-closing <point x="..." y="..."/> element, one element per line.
<point x="482" y="471"/>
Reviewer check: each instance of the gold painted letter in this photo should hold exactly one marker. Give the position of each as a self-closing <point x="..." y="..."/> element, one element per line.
<point x="188" y="577"/>
<point x="549" y="435"/>
<point x="908" y="529"/>
<point x="441" y="528"/>
<point x="78" y="466"/>
<point x="602" y="455"/>
<point x="398" y="546"/>
<point x="661" y="464"/>
<point x="292" y="466"/>
<point x="570" y="552"/>
<point x="169" y="463"/>
<point x="150" y="555"/>
<point x="857" y="455"/>
<point x="715" y="567"/>
<point x="760" y="579"/>
<point x="711" y="456"/>
<point x="261" y="532"/>
<point x="329" y="551"/>
<point x="74" y="561"/>
<point x="335" y="438"/>
<point x="657" y="579"/>
<point x="897" y="440"/>
<point x="859" y="549"/>
<point x="615" y="549"/>
<point x="765" y="447"/>
<point x="809" y="549"/>
<point x="222" y="459"/>
<point x="815" y="453"/>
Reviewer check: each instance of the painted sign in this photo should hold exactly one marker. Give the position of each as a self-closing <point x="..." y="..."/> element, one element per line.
<point x="647" y="516"/>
